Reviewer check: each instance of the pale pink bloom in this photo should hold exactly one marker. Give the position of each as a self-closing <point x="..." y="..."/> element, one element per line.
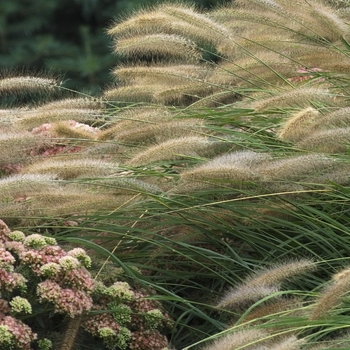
<point x="65" y="300"/>
<point x="23" y="335"/>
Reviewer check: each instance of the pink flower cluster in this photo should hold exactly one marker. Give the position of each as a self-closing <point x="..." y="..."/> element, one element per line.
<point x="142" y="334"/>
<point x="67" y="283"/>
<point x="60" y="278"/>
<point x="68" y="301"/>
<point x="61" y="281"/>
<point x="21" y="334"/>
<point x="148" y="340"/>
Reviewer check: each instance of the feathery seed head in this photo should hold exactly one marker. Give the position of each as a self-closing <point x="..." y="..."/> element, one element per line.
<point x="300" y="97"/>
<point x="265" y="282"/>
<point x="340" y="118"/>
<point x="236" y="167"/>
<point x="298" y="168"/>
<point x="208" y="29"/>
<point x="39" y="116"/>
<point x="72" y="168"/>
<point x="245" y="295"/>
<point x="133" y="93"/>
<point x="75" y="103"/>
<point x="154" y="74"/>
<point x="299" y="125"/>
<point x="144" y="22"/>
<point x="167" y="46"/>
<point x="335" y="140"/>
<point x="290" y="343"/>
<point x="238" y="339"/>
<point x="178" y="148"/>
<point x="17" y="85"/>
<point x="331" y="296"/>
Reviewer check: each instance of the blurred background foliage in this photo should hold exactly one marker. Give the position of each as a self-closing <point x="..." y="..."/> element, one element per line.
<point x="64" y="36"/>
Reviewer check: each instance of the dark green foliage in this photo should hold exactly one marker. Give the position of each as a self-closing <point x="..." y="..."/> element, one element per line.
<point x="67" y="37"/>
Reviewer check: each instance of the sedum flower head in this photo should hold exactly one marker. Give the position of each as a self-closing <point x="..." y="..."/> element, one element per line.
<point x="120" y="312"/>
<point x="120" y="291"/>
<point x="153" y="318"/>
<point x="123" y="338"/>
<point x="35" y="241"/>
<point x="11" y="280"/>
<point x="50" y="241"/>
<point x="81" y="255"/>
<point x="65" y="300"/>
<point x="69" y="263"/>
<point x="106" y="332"/>
<point x="50" y="269"/>
<point x="6" y="260"/>
<point x="6" y="338"/>
<point x="45" y="344"/>
<point x="20" y="305"/>
<point x="22" y="335"/>
<point x="17" y="236"/>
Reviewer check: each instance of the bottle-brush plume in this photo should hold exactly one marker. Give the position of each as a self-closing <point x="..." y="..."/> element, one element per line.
<point x="169" y="46"/>
<point x="299" y="125"/>
<point x="31" y="88"/>
<point x="239" y="340"/>
<point x="265" y="283"/>
<point x="179" y="148"/>
<point x="67" y="168"/>
<point x="332" y="294"/>
<point x="234" y="167"/>
<point x="327" y="141"/>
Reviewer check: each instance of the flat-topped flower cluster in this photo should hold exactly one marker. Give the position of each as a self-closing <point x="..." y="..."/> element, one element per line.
<point x="61" y="284"/>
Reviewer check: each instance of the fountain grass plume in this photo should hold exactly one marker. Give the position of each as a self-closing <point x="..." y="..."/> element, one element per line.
<point x="238" y="340"/>
<point x="24" y="88"/>
<point x="298" y="168"/>
<point x="234" y="167"/>
<point x="77" y="133"/>
<point x="277" y="306"/>
<point x="289" y="343"/>
<point x="335" y="140"/>
<point x="142" y="93"/>
<point x="74" y="103"/>
<point x="300" y="97"/>
<point x="36" y="117"/>
<point x="331" y="296"/>
<point x="179" y="148"/>
<point x="145" y="133"/>
<point x="169" y="46"/>
<point x="67" y="168"/>
<point x="299" y="125"/>
<point x="340" y="118"/>
<point x="152" y="74"/>
<point x="265" y="283"/>
<point x="19" y="146"/>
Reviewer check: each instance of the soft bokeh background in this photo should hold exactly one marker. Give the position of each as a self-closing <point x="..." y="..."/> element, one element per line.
<point x="64" y="36"/>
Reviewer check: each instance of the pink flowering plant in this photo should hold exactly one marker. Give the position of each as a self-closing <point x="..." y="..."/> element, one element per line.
<point x="40" y="280"/>
<point x="133" y="322"/>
